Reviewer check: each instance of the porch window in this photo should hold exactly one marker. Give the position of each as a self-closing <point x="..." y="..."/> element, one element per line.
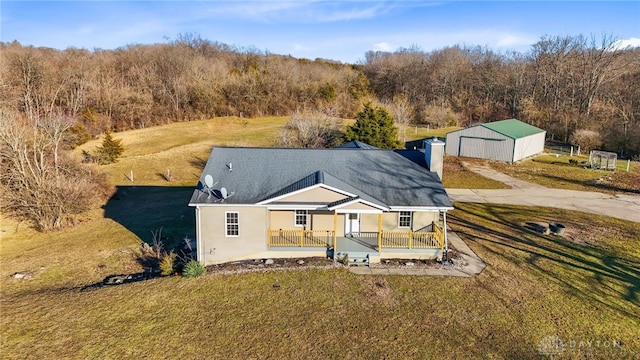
<point x="232" y="223"/>
<point x="404" y="219"/>
<point x="301" y="217"/>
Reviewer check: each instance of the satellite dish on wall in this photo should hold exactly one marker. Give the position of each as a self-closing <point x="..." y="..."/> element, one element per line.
<point x="208" y="180"/>
<point x="223" y="192"/>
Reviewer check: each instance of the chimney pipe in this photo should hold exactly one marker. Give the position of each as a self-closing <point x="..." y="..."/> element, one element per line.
<point x="434" y="155"/>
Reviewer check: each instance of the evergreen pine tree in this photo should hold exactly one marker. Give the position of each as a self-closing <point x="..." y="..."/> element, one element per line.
<point x="110" y="150"/>
<point x="374" y="126"/>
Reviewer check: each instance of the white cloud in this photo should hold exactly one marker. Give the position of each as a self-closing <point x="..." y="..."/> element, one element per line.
<point x="305" y="11"/>
<point x="625" y="43"/>
<point x="299" y="48"/>
<point x="263" y="10"/>
<point x="384" y="46"/>
<point x="433" y="40"/>
<point x="351" y="14"/>
<point x="512" y="40"/>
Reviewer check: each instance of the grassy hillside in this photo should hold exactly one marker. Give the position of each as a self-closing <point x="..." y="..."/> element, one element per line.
<point x="183" y="148"/>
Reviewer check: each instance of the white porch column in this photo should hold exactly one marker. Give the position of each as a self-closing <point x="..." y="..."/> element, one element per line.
<point x="444" y="231"/>
<point x="199" y="245"/>
<point x="335" y="231"/>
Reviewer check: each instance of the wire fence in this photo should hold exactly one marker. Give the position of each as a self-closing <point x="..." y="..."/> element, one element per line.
<point x="563" y="150"/>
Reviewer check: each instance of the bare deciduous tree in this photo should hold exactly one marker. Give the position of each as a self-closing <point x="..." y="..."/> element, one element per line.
<point x="440" y="117"/>
<point x="586" y="139"/>
<point x="54" y="128"/>
<point x="402" y="112"/>
<point x="310" y="130"/>
<point x="37" y="186"/>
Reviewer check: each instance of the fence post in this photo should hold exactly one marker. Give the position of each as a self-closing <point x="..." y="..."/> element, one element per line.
<point x="628" y="163"/>
<point x="301" y="237"/>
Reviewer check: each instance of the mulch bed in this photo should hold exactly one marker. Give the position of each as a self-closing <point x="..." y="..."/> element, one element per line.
<point x="262" y="265"/>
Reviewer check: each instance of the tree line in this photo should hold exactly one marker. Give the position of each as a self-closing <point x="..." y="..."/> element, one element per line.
<point x="137" y="86"/>
<point x="564" y="84"/>
<point x="568" y="85"/>
<point x="577" y="89"/>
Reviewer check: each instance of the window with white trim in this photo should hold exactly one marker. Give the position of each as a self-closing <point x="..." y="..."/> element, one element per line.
<point x="301" y="217"/>
<point x="404" y="219"/>
<point x="232" y="223"/>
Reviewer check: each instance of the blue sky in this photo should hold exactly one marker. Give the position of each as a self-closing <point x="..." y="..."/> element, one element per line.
<point x="337" y="30"/>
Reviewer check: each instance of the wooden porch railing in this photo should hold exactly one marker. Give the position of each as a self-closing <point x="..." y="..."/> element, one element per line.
<point x="300" y="238"/>
<point x="439" y="235"/>
<point x="413" y="239"/>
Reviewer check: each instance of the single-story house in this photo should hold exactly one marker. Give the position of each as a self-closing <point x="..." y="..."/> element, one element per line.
<point x="355" y="200"/>
<point x="507" y="140"/>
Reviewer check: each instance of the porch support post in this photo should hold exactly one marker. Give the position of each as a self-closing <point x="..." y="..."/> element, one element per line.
<point x="335" y="231"/>
<point x="444" y="231"/>
<point x="199" y="240"/>
<point x="380" y="232"/>
<point x="302" y="238"/>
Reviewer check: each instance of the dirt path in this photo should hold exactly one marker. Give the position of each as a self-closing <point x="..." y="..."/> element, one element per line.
<point x="620" y="206"/>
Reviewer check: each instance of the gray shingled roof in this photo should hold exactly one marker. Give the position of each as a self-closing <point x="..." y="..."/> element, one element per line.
<point x="383" y="177"/>
<point x="356" y="145"/>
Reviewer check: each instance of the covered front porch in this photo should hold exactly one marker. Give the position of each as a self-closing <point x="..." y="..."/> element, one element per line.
<point x="354" y="226"/>
<point x="365" y="240"/>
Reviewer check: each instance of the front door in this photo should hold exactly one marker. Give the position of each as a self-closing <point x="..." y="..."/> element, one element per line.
<point x="352" y="223"/>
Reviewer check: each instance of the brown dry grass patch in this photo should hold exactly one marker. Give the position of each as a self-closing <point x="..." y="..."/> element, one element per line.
<point x="377" y="290"/>
<point x="456" y="176"/>
<point x="557" y="172"/>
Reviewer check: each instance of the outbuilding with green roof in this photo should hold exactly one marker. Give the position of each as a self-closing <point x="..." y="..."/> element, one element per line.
<point x="506" y="140"/>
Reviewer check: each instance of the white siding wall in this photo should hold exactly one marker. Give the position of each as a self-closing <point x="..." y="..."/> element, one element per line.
<point x="529" y="146"/>
<point x="480" y="142"/>
<point x="216" y="247"/>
